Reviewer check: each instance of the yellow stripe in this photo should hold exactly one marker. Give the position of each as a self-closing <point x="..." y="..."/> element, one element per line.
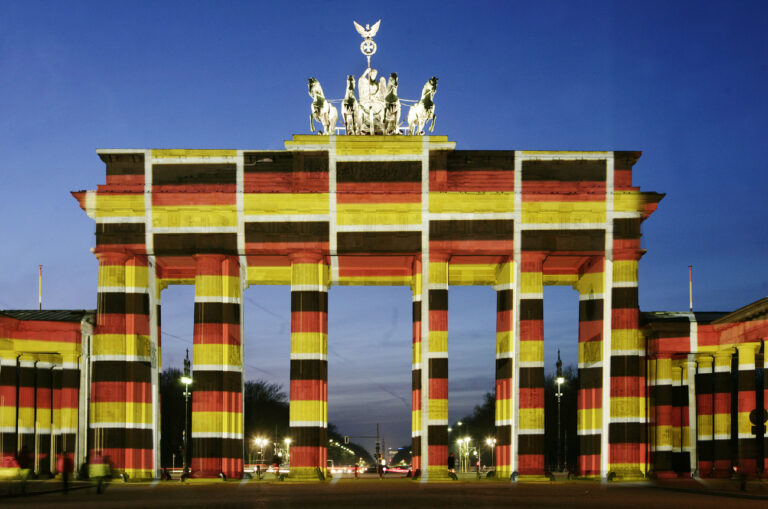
<point x="119" y="205"/>
<point x="722" y="423"/>
<point x="590" y="351"/>
<point x="309" y="273"/>
<point x="591" y="283"/>
<point x="217" y="286"/>
<point x="416" y="423"/>
<point x="416" y="358"/>
<point x="438" y="409"/>
<point x="532" y="351"/>
<point x="123" y="275"/>
<point x="627" y="406"/>
<point x="228" y="355"/>
<point x="285" y="203"/>
<point x="307" y="410"/>
<point x="217" y="422"/>
<point x="121" y="344"/>
<point x="36" y="346"/>
<point x="374" y="280"/>
<point x="505" y="273"/>
<point x="471" y="202"/>
<point x="531" y="282"/>
<point x="300" y="140"/>
<point x="531" y="418"/>
<point x="704" y="425"/>
<point x="416" y="283"/>
<point x="309" y="342"/>
<point x="127" y="412"/>
<point x="745" y="425"/>
<point x="625" y="271"/>
<point x="438" y="272"/>
<point x="438" y="341"/>
<point x="378" y="145"/>
<point x="627" y="339"/>
<point x="563" y="212"/>
<point x="560" y="279"/>
<point x="178" y="216"/>
<point x="504" y="409"/>
<point x="589" y="418"/>
<point x="269" y="275"/>
<point x="628" y="201"/>
<point x="378" y="213"/>
<point x="183" y="152"/>
<point x="472" y="274"/>
<point x="505" y="342"/>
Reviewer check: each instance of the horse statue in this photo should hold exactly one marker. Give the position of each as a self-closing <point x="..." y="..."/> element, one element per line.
<point x="391" y="106"/>
<point x="422" y="111"/>
<point x="322" y="110"/>
<point x="350" y="109"/>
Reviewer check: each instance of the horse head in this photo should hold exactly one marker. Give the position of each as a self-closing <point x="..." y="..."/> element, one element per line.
<point x="350" y="83"/>
<point x="312" y="83"/>
<point x="392" y="84"/>
<point x="433" y="83"/>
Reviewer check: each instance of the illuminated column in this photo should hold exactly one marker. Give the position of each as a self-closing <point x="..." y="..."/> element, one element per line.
<point x="309" y="365"/>
<point x="722" y="414"/>
<point x="26" y="411"/>
<point x="121" y="384"/>
<point x="43" y="416"/>
<point x="217" y="368"/>
<point x="704" y="412"/>
<point x="416" y="367"/>
<point x="765" y="406"/>
<point x="680" y="452"/>
<point x="627" y="428"/>
<point x="505" y="352"/>
<point x="66" y="396"/>
<point x="589" y="413"/>
<point x="530" y="444"/>
<point x="435" y="353"/>
<point x="8" y="380"/>
<point x="747" y="402"/>
<point x="663" y="423"/>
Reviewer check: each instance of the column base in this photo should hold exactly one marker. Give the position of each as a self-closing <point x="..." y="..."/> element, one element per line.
<point x="436" y="474"/>
<point x="308" y="474"/>
<point x="628" y="473"/>
<point x="533" y="478"/>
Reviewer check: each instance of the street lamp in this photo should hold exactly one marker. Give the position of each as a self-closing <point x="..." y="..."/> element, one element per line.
<point x="260" y="443"/>
<point x="287" y="452"/>
<point x="492" y="446"/>
<point x="187" y="381"/>
<point x="560" y="380"/>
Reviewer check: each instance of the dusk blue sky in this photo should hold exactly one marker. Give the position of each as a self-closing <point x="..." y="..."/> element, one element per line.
<point x="684" y="82"/>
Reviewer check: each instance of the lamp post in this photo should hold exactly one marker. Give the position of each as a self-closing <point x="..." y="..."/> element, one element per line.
<point x="260" y="443"/>
<point x="287" y="452"/>
<point x="187" y="381"/>
<point x="492" y="446"/>
<point x="559" y="394"/>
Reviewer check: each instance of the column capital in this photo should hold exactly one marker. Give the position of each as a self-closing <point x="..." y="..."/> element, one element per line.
<point x="752" y="348"/>
<point x="111" y="255"/>
<point x="306" y="257"/>
<point x="628" y="254"/>
<point x="439" y="256"/>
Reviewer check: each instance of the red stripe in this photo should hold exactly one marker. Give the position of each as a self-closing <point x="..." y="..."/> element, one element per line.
<point x="504" y="321"/>
<point x="503" y="389"/>
<point x="210" y="467"/>
<point x="438" y="388"/>
<point x="590" y="399"/>
<point x="438" y="455"/>
<point x="416" y="399"/>
<point x="627" y="386"/>
<point x="309" y="321"/>
<point x="590" y="330"/>
<point x="121" y="392"/>
<point x="217" y="334"/>
<point x="272" y="248"/>
<point x="109" y="323"/>
<point x="349" y="189"/>
<point x="532" y="398"/>
<point x="115" y="181"/>
<point x="589" y="464"/>
<point x="473" y="180"/>
<point x="195" y="191"/>
<point x="530" y="464"/>
<point x="195" y="197"/>
<point x="308" y="456"/>
<point x="503" y="455"/>
<point x="217" y="401"/>
<point x="278" y="182"/>
<point x="217" y="265"/>
<point x="626" y="318"/>
<point x="309" y="390"/>
<point x="531" y="330"/>
<point x="438" y="320"/>
<point x="140" y="459"/>
<point x="468" y="247"/>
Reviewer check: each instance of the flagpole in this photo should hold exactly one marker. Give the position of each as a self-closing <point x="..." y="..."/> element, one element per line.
<point x="690" y="288"/>
<point x="40" y="288"/>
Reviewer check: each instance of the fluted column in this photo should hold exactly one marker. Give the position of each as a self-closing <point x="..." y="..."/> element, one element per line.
<point x="8" y="416"/>
<point x="121" y="416"/>
<point x="722" y="414"/>
<point x="416" y="367"/>
<point x="217" y="368"/>
<point x="309" y="365"/>
<point x="530" y="443"/>
<point x="663" y="423"/>
<point x="704" y="415"/>
<point x="43" y="416"/>
<point x="505" y="352"/>
<point x="589" y="413"/>
<point x="748" y="452"/>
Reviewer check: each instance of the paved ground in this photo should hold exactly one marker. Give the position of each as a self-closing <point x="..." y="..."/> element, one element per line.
<point x="389" y="493"/>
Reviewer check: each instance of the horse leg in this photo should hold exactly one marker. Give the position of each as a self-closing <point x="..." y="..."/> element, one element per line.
<point x="311" y="123"/>
<point x="434" y="121"/>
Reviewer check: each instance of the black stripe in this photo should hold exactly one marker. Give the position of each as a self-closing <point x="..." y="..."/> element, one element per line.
<point x="722" y="450"/>
<point x="626" y="432"/>
<point x="530" y="444"/>
<point x="505" y="300"/>
<point x="531" y="378"/>
<point x="663" y="395"/>
<point x="625" y="159"/>
<point x="121" y="371"/>
<point x="589" y="445"/>
<point x="309" y="301"/>
<point x="122" y="438"/>
<point x="183" y="244"/>
<point x="481" y="229"/>
<point x="379" y="242"/>
<point x="124" y="164"/>
<point x="217" y="312"/>
<point x="69" y="378"/>
<point x="706" y="450"/>
<point x="438" y="434"/>
<point x="564" y="171"/>
<point x="288" y="231"/>
<point x="438" y="160"/>
<point x="563" y="240"/>
<point x="482" y="160"/>
<point x="416" y="310"/>
<point x="503" y="369"/>
<point x="590" y="310"/>
<point x="257" y="162"/>
<point x="123" y="303"/>
<point x="438" y="368"/>
<point x="531" y="309"/>
<point x="416" y="379"/>
<point x="627" y="365"/>
<point x="504" y="435"/>
<point x="722" y="382"/>
<point x="663" y="460"/>
<point x="224" y="381"/>
<point x="626" y="228"/>
<point x="378" y="171"/>
<point x="438" y="300"/>
<point x="309" y="369"/>
<point x="8" y="375"/>
<point x="309" y="436"/>
<point x="180" y="174"/>
<point x="416" y="446"/>
<point x="217" y="448"/>
<point x="625" y="298"/>
<point x="120" y="233"/>
<point x="590" y="378"/>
